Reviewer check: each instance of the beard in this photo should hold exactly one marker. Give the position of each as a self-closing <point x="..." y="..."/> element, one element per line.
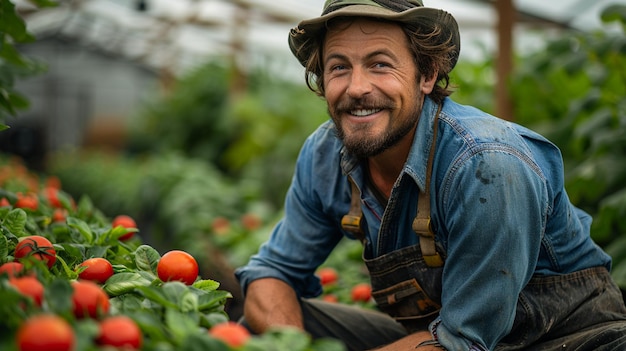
<point x="361" y="142"/>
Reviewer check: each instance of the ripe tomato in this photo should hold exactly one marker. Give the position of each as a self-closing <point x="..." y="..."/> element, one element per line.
<point x="178" y="265"/>
<point x="89" y="300"/>
<point x="361" y="292"/>
<point x="251" y="221"/>
<point x="59" y="215"/>
<point x="12" y="269"/>
<point x="332" y="298"/>
<point x="4" y="202"/>
<point x="29" y="286"/>
<point x="120" y="331"/>
<point x="52" y="195"/>
<point x="327" y="275"/>
<point x="38" y="247"/>
<point x="28" y="201"/>
<point x="126" y="222"/>
<point x="231" y="333"/>
<point x="45" y="332"/>
<point x="97" y="269"/>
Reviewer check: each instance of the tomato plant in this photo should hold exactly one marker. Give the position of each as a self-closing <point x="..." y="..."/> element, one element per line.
<point x="178" y="265"/>
<point x="27" y="201"/>
<point x="361" y="292"/>
<point x="89" y="300"/>
<point x="12" y="269"/>
<point x="29" y="286"/>
<point x="327" y="275"/>
<point x="45" y="332"/>
<point x="96" y="269"/>
<point x="38" y="247"/>
<point x="120" y="331"/>
<point x="231" y="333"/>
<point x="126" y="222"/>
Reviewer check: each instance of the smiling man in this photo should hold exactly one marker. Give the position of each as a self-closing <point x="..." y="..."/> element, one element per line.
<point x="468" y="234"/>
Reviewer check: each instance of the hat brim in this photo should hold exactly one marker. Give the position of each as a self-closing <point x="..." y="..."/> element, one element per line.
<point x="300" y="36"/>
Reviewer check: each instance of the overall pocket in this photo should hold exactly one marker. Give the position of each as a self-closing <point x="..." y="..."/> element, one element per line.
<point x="407" y="303"/>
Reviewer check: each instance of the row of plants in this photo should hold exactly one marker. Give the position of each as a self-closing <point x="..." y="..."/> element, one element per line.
<point x="72" y="278"/>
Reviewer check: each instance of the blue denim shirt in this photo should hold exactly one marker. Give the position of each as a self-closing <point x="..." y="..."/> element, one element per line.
<point x="498" y="205"/>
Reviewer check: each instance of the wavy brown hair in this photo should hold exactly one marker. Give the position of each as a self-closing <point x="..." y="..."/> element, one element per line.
<point x="431" y="56"/>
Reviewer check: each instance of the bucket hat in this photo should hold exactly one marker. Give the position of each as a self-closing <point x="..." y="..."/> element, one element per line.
<point x="408" y="12"/>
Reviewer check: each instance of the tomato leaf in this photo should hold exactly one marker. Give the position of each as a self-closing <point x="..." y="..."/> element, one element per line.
<point x="125" y="282"/>
<point x="82" y="227"/>
<point x="206" y="285"/>
<point x="213" y="300"/>
<point x="147" y="258"/>
<point x="4" y="248"/>
<point x="202" y="342"/>
<point x="15" y="222"/>
<point x="180" y="324"/>
<point x="58" y="296"/>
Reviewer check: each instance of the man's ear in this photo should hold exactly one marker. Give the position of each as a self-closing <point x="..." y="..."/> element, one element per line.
<point x="428" y="84"/>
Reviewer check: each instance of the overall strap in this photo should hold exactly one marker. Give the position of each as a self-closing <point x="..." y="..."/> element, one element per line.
<point x="422" y="225"/>
<point x="352" y="222"/>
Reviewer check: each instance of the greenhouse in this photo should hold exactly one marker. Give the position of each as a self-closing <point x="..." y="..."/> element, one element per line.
<point x="141" y="136"/>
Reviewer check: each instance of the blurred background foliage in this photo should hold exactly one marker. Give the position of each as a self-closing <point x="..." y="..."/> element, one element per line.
<point x="207" y="166"/>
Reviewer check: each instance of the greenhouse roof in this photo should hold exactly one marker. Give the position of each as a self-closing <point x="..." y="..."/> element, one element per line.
<point x="176" y="34"/>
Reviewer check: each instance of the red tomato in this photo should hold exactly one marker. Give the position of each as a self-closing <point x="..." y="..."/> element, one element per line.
<point x="45" y="332"/>
<point x="178" y="265"/>
<point x="330" y="298"/>
<point x="120" y="331"/>
<point x="327" y="275"/>
<point x="251" y="221"/>
<point x="126" y="222"/>
<point x="4" y="202"/>
<point x="28" y="201"/>
<point x="59" y="215"/>
<point x="52" y="194"/>
<point x="97" y="269"/>
<point x="29" y="286"/>
<point x="231" y="333"/>
<point x="38" y="247"/>
<point x="12" y="269"/>
<point x="361" y="292"/>
<point x="89" y="299"/>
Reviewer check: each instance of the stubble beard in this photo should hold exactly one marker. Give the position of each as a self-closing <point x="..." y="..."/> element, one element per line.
<point x="361" y="142"/>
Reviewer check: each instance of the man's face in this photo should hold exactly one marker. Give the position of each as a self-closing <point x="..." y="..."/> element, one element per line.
<point x="371" y="86"/>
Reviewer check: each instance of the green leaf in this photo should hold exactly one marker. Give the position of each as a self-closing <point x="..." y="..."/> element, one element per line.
<point x="206" y="285"/>
<point x="202" y="342"/>
<point x="82" y="227"/>
<point x="147" y="258"/>
<point x="58" y="296"/>
<point x="15" y="222"/>
<point x="158" y="296"/>
<point x="213" y="300"/>
<point x="4" y="249"/>
<point x="180" y="324"/>
<point x="12" y="24"/>
<point x="122" y="283"/>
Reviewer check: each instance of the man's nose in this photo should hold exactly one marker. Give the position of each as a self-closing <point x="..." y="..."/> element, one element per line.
<point x="359" y="84"/>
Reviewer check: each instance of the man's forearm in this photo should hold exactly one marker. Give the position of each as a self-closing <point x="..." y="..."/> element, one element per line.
<point x="271" y="302"/>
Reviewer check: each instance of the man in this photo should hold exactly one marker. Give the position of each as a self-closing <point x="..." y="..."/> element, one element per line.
<point x="468" y="234"/>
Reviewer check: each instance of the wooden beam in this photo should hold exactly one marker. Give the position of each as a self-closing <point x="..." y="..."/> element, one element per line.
<point x="504" y="61"/>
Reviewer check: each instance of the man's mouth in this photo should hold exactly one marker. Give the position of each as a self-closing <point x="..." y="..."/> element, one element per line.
<point x="364" y="112"/>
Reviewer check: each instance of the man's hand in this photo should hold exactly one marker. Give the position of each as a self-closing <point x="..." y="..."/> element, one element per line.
<point x="410" y="342"/>
<point x="271" y="302"/>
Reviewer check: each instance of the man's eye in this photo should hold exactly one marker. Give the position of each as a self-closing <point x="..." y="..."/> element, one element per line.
<point x="381" y="65"/>
<point x="338" y="68"/>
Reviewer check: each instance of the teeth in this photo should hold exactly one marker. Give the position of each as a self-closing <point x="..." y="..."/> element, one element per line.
<point x="364" y="112"/>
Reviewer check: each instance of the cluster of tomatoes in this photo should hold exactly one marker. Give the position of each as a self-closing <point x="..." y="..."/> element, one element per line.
<point x="329" y="278"/>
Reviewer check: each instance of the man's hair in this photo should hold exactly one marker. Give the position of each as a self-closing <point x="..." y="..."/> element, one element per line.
<point x="429" y="55"/>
